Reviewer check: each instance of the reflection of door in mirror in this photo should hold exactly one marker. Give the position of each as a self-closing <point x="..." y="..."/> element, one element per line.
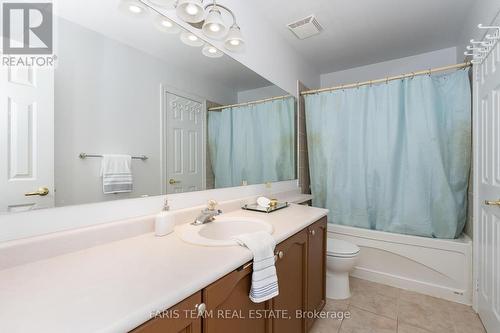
<point x="27" y="148"/>
<point x="185" y="144"/>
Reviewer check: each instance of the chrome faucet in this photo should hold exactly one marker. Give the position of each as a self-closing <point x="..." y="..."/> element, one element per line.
<point x="208" y="214"/>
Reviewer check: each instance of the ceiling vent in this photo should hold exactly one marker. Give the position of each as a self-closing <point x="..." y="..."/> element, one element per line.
<point x="306" y="27"/>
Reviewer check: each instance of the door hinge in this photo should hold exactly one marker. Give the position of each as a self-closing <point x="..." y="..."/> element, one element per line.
<point x="476" y="285"/>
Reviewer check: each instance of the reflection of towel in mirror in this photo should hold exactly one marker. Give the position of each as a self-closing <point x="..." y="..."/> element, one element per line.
<point x="264" y="278"/>
<point x="116" y="172"/>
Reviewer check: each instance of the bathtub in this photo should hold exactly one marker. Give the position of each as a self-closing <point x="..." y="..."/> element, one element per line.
<point x="436" y="267"/>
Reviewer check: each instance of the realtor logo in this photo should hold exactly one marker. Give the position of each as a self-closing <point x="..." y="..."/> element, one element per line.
<point x="27" y="28"/>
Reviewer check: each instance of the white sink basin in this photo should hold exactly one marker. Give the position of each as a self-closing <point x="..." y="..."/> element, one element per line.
<point x="221" y="231"/>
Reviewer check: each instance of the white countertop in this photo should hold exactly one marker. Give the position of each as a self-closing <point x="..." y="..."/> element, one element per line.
<point x="114" y="287"/>
<point x="297" y="198"/>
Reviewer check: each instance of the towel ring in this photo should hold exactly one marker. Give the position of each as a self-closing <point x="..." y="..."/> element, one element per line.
<point x="387" y="80"/>
<point x="413" y="75"/>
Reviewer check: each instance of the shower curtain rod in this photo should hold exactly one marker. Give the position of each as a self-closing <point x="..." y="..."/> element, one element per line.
<point x="217" y="108"/>
<point x="387" y="79"/>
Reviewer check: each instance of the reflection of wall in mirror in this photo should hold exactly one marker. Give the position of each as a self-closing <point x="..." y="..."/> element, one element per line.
<point x="107" y="100"/>
<point x="259" y="93"/>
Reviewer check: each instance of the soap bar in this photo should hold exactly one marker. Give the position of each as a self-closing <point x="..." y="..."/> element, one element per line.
<point x="263" y="202"/>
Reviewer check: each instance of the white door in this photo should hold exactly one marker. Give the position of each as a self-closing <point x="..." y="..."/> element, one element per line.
<point x="185" y="144"/>
<point x="26" y="138"/>
<point x="487" y="196"/>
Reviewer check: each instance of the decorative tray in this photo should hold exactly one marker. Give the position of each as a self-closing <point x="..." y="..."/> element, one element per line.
<point x="256" y="208"/>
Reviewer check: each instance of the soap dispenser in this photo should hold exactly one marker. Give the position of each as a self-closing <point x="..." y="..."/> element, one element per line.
<point x="164" y="222"/>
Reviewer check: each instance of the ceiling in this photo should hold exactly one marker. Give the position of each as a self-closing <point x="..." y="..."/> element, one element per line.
<point x="362" y="32"/>
<point x="104" y="17"/>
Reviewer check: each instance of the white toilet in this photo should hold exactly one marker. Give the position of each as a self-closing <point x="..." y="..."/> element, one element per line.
<point x="340" y="261"/>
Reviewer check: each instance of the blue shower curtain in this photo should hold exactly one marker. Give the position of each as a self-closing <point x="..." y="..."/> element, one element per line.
<point x="393" y="157"/>
<point x="253" y="143"/>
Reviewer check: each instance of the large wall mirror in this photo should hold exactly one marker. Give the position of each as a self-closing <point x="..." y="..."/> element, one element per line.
<point x="136" y="107"/>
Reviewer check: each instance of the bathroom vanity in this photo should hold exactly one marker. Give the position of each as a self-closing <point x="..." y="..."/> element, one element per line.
<point x="120" y="277"/>
<point x="224" y="306"/>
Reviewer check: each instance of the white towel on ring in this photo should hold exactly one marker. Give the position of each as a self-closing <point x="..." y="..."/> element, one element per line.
<point x="264" y="278"/>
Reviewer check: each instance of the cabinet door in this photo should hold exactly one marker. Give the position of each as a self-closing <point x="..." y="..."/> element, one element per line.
<point x="229" y="308"/>
<point x="316" y="270"/>
<point x="292" y="277"/>
<point x="182" y="318"/>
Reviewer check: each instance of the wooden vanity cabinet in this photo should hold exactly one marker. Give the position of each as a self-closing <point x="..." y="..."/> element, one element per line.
<point x="301" y="269"/>
<point x="181" y="318"/>
<point x="229" y="309"/>
<point x="316" y="266"/>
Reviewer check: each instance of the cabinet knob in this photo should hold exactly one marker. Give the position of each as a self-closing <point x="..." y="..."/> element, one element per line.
<point x="312" y="232"/>
<point x="200" y="308"/>
<point x="281" y="254"/>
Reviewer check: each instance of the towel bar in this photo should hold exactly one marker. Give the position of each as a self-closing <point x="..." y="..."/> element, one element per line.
<point x="85" y="155"/>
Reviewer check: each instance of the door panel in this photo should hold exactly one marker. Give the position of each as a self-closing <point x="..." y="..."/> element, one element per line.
<point x="27" y="142"/>
<point x="229" y="307"/>
<point x="185" y="147"/>
<point x="316" y="270"/>
<point x="292" y="279"/>
<point x="487" y="181"/>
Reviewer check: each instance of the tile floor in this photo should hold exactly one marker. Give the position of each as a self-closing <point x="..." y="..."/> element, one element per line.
<point x="376" y="308"/>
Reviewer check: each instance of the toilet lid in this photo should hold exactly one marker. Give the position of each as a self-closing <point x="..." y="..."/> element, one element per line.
<point x="338" y="247"/>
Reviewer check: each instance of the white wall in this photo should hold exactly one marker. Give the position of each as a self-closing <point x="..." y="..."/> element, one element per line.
<point x="107" y="100"/>
<point x="260" y="93"/>
<point x="414" y="63"/>
<point x="483" y="11"/>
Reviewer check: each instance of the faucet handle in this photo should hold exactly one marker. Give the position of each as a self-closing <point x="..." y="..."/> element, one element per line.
<point x="211" y="204"/>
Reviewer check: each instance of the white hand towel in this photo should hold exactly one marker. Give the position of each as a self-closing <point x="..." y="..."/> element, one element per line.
<point x="116" y="172"/>
<point x="264" y="278"/>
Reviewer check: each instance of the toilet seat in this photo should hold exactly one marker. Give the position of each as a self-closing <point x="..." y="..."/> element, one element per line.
<point x="341" y="248"/>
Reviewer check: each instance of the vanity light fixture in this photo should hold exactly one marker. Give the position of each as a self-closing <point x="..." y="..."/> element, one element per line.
<point x="214" y="26"/>
<point x="234" y="40"/>
<point x="190" y="11"/>
<point x="211" y="18"/>
<point x="190" y="39"/>
<point x="211" y="51"/>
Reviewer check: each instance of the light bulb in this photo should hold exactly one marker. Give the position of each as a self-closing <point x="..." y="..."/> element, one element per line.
<point x="234" y="42"/>
<point x="215" y="27"/>
<point x="211" y="52"/>
<point x="166" y="23"/>
<point x="135" y="9"/>
<point x="193" y="38"/>
<point x="191" y="9"/>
